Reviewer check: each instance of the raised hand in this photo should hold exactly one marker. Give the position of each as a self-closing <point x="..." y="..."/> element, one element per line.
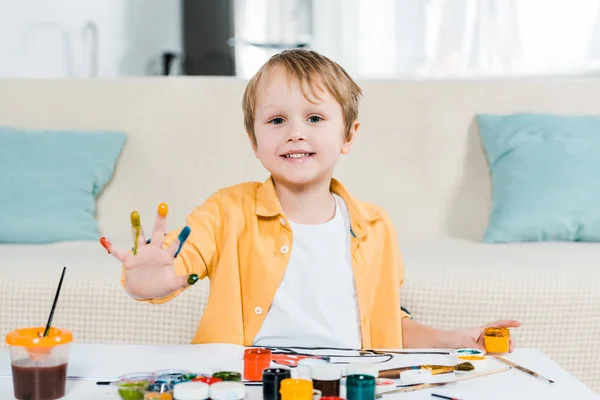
<point x="148" y="258"/>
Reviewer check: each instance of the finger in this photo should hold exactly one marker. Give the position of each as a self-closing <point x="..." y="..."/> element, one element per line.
<point x="479" y="345"/>
<point x="512" y="345"/>
<point x="504" y="323"/>
<point x="160" y="225"/>
<point x="177" y="244"/>
<point x="136" y="231"/>
<point x="117" y="253"/>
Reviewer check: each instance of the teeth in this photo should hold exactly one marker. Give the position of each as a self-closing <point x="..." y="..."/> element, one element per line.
<point x="297" y="155"/>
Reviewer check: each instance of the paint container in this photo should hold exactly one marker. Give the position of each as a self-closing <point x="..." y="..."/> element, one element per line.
<point x="191" y="391"/>
<point x="303" y="371"/>
<point x="271" y="379"/>
<point x="326" y="378"/>
<point x="227" y="391"/>
<point x="383" y="385"/>
<point x="496" y="340"/>
<point x="296" y="389"/>
<point x="255" y="362"/>
<point x="360" y="387"/>
<point x="228" y="376"/>
<point x="207" y="379"/>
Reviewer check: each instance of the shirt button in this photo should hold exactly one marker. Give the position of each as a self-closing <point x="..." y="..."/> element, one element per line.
<point x="258" y="311"/>
<point x="282" y="221"/>
<point x="284" y="249"/>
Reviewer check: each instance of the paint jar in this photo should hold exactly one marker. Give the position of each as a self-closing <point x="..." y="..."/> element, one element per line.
<point x="496" y="340"/>
<point x="326" y="378"/>
<point x="304" y="367"/>
<point x="360" y="387"/>
<point x="159" y="390"/>
<point x="296" y="389"/>
<point x="207" y="379"/>
<point x="132" y="386"/>
<point x="255" y="362"/>
<point x="228" y="376"/>
<point x="191" y="391"/>
<point x="271" y="379"/>
<point x="227" y="391"/>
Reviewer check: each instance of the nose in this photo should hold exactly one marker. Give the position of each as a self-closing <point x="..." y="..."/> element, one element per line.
<point x="295" y="135"/>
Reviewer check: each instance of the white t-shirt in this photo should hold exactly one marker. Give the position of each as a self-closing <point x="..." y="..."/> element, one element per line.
<point x="315" y="304"/>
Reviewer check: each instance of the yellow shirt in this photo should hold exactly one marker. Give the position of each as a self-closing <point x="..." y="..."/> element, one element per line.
<point x="241" y="240"/>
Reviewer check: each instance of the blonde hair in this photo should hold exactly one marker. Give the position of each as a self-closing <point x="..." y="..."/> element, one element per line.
<point x="310" y="69"/>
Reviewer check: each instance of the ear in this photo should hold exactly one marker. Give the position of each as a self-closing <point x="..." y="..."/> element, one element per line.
<point x="350" y="137"/>
<point x="253" y="144"/>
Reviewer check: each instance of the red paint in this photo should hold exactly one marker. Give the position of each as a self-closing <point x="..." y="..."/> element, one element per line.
<point x="207" y="380"/>
<point x="255" y="361"/>
<point x="105" y="243"/>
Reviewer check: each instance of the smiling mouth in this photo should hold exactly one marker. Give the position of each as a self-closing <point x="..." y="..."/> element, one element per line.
<point x="297" y="155"/>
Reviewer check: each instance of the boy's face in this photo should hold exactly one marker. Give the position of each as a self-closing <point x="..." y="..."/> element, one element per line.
<point x="298" y="141"/>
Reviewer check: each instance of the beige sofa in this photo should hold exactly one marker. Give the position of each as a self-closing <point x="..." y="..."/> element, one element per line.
<point x="418" y="155"/>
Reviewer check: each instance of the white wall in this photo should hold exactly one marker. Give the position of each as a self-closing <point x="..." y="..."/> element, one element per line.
<point x="42" y="38"/>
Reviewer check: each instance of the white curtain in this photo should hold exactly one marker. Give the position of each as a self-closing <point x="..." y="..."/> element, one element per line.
<point x="428" y="38"/>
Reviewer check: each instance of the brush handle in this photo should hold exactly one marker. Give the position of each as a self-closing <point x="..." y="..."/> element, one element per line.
<point x="395" y="372"/>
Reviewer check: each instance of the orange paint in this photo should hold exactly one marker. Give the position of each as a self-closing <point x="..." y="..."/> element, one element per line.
<point x="105" y="243"/>
<point x="163" y="209"/>
<point x="496" y="340"/>
<point x="255" y="362"/>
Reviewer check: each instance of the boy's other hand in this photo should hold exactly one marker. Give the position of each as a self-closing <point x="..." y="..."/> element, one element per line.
<point x="473" y="337"/>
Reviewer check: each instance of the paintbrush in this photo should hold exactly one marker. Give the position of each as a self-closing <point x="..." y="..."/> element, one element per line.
<point x="527" y="371"/>
<point x="384" y="352"/>
<point x="435" y="369"/>
<point x="430" y="385"/>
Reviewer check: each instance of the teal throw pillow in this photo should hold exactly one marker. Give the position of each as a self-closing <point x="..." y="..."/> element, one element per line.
<point x="50" y="180"/>
<point x="545" y="172"/>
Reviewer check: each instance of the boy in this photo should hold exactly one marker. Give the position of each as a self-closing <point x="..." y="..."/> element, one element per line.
<point x="296" y="260"/>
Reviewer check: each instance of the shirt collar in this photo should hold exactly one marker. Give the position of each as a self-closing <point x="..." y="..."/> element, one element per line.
<point x="267" y="205"/>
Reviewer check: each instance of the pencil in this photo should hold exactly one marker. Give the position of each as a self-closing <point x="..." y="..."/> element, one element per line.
<point x="527" y="371"/>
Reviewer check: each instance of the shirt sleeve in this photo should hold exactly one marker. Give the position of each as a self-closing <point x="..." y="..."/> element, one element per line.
<point x="199" y="253"/>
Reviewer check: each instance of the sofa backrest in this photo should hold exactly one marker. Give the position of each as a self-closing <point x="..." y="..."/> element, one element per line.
<point x="418" y="153"/>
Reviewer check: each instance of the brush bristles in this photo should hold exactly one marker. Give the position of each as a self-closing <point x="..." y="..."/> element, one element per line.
<point x="466" y="366"/>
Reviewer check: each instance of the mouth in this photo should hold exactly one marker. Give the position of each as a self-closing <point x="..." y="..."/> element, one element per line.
<point x="297" y="155"/>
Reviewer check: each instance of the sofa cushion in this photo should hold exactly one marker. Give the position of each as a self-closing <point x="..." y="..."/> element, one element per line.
<point x="544" y="175"/>
<point x="50" y="183"/>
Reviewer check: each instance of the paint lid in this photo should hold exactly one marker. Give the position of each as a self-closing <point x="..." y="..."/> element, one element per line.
<point x="326" y="372"/>
<point x="33" y="337"/>
<point x="307" y="362"/>
<point x="257" y="354"/>
<point x="362" y="369"/>
<point x="227" y="391"/>
<point x="191" y="391"/>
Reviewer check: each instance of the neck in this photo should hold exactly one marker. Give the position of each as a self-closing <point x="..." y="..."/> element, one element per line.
<point x="310" y="204"/>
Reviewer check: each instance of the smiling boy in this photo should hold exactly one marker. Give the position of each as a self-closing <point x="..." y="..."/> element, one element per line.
<point x="295" y="260"/>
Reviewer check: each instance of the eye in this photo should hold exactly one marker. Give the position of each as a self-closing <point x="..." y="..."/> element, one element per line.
<point x="276" y="121"/>
<point x="314" y="119"/>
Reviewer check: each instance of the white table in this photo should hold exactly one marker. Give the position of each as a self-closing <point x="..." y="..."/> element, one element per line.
<point x="92" y="362"/>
